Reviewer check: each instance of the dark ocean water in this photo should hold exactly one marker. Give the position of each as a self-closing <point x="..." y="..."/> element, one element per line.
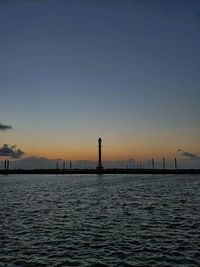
<point x="109" y="220"/>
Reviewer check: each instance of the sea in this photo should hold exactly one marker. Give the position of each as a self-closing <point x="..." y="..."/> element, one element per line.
<point x="100" y="220"/>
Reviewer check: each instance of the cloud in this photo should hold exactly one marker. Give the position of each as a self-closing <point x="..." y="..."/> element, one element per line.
<point x="4" y="127"/>
<point x="10" y="151"/>
<point x="188" y="155"/>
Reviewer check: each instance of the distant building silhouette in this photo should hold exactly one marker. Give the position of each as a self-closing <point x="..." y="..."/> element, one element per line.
<point x="100" y="166"/>
<point x="70" y="165"/>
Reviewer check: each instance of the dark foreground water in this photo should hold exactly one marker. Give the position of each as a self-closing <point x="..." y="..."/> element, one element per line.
<point x="109" y="220"/>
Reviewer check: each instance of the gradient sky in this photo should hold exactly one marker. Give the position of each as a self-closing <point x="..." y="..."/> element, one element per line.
<point x="125" y="70"/>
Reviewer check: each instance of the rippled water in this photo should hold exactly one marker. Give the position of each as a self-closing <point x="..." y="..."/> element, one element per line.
<point x="108" y="220"/>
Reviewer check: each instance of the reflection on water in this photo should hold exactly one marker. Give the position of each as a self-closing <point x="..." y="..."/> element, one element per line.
<point x="109" y="220"/>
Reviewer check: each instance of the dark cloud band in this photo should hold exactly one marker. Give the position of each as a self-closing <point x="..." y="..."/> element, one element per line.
<point x="11" y="152"/>
<point x="188" y="155"/>
<point x="4" y="127"/>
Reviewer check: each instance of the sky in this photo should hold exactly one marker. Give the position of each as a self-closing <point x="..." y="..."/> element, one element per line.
<point x="125" y="70"/>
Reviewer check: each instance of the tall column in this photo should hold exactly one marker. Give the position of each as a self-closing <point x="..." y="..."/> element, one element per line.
<point x="100" y="167"/>
<point x="99" y="151"/>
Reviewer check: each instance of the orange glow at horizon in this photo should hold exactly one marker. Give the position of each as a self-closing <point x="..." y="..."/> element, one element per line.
<point x="108" y="154"/>
<point x="115" y="147"/>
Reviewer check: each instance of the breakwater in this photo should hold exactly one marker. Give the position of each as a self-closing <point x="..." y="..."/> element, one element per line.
<point x="101" y="171"/>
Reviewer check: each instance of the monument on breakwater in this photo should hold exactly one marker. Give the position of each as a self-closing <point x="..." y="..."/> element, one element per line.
<point x="99" y="166"/>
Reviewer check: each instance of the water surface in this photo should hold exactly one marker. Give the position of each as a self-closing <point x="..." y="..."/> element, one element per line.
<point x="108" y="220"/>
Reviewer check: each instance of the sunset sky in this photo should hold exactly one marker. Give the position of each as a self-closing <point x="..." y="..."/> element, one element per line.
<point x="125" y="70"/>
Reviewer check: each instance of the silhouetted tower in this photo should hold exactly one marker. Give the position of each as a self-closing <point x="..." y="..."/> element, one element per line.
<point x="163" y="164"/>
<point x="57" y="166"/>
<point x="70" y="165"/>
<point x="153" y="166"/>
<point x="99" y="167"/>
<point x="175" y="162"/>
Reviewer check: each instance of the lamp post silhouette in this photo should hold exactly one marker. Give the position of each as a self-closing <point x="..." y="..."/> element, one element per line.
<point x="175" y="162"/>
<point x="153" y="166"/>
<point x="70" y="165"/>
<point x="99" y="167"/>
<point x="163" y="163"/>
<point x="6" y="165"/>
